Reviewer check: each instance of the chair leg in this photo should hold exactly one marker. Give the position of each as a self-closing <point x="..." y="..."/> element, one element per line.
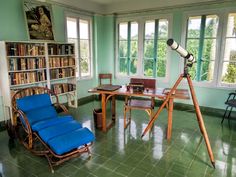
<point x="125" y="117"/>
<point x="228" y="117"/>
<point x="224" y="114"/>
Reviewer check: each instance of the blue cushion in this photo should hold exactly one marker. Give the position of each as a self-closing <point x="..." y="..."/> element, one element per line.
<point x="33" y="102"/>
<point x="50" y="122"/>
<point x="43" y="113"/>
<point x="71" y="140"/>
<point x="59" y="129"/>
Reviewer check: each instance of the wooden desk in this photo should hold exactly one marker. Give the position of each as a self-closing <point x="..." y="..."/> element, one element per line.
<point x="159" y="93"/>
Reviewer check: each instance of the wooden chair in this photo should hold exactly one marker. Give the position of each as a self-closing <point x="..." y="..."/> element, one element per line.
<point x="105" y="77"/>
<point x="45" y="133"/>
<point x="140" y="104"/>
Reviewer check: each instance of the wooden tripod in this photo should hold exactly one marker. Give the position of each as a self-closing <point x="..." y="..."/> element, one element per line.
<point x="197" y="109"/>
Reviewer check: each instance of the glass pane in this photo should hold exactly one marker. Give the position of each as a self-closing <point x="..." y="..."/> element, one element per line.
<point x="149" y="49"/>
<point x="229" y="72"/>
<point x="230" y="49"/>
<point x="133" y="66"/>
<point x="193" y="46"/>
<point x="231" y="27"/>
<point x="149" y="29"/>
<point x="84" y="48"/>
<point x="163" y="29"/>
<point x="123" y="48"/>
<point x="194" y="24"/>
<point x="123" y="65"/>
<point x="209" y="50"/>
<point x="134" y="30"/>
<point x="161" y="58"/>
<point x="71" y="24"/>
<point x="123" y="31"/>
<point x="84" y="29"/>
<point x="161" y="68"/>
<point x="134" y="48"/>
<point x="84" y="66"/>
<point x="207" y="70"/>
<point x="211" y="26"/>
<point x="148" y="68"/>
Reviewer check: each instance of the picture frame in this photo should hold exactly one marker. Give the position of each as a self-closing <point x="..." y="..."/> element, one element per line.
<point x="39" y="21"/>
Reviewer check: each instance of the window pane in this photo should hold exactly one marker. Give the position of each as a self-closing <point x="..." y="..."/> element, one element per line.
<point x="194" y="25"/>
<point x="71" y="27"/>
<point x="85" y="66"/>
<point x="231" y="27"/>
<point x="84" y="29"/>
<point x="123" y="48"/>
<point x="161" y="58"/>
<point x="133" y="66"/>
<point x="163" y="29"/>
<point x="84" y="48"/>
<point x="148" y="68"/>
<point x="207" y="70"/>
<point x="134" y="30"/>
<point x="123" y="31"/>
<point x="134" y="48"/>
<point x="230" y="48"/>
<point x="209" y="50"/>
<point x="123" y="65"/>
<point x="149" y="29"/>
<point x="229" y="72"/>
<point x="149" y="49"/>
<point x="161" y="68"/>
<point x="211" y="26"/>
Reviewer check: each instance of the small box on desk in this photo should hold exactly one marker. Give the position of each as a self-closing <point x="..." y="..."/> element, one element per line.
<point x="137" y="87"/>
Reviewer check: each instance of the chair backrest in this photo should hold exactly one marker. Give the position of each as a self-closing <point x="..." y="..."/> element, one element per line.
<point x="148" y="83"/>
<point x="105" y="76"/>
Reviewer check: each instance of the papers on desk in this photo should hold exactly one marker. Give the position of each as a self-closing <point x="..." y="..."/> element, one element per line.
<point x="108" y="87"/>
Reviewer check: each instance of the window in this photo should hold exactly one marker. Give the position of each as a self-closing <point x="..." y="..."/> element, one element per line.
<point x="78" y="32"/>
<point x="201" y="42"/>
<point x="228" y="75"/>
<point x="142" y="49"/>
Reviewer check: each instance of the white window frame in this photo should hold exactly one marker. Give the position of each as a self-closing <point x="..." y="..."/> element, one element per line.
<point x="220" y="46"/>
<point x="141" y="28"/>
<point x="90" y="19"/>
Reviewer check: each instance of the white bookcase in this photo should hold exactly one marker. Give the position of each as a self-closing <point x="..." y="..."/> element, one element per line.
<point x="26" y="64"/>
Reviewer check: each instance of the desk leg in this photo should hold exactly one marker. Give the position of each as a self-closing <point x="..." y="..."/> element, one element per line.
<point x="113" y="109"/>
<point x="104" y="126"/>
<point x="170" y="111"/>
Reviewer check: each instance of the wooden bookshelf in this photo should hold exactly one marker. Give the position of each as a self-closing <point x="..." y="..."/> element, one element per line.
<point x="26" y="64"/>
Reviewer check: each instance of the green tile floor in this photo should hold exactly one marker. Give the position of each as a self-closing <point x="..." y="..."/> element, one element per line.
<point x="120" y="153"/>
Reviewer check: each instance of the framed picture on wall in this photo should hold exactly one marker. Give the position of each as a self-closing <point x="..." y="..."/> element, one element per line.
<point x="39" y="20"/>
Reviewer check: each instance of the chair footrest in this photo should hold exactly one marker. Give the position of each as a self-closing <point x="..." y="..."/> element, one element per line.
<point x="71" y="140"/>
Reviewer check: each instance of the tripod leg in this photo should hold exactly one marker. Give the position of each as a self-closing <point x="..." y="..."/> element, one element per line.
<point x="170" y="112"/>
<point x="200" y="121"/>
<point x="163" y="105"/>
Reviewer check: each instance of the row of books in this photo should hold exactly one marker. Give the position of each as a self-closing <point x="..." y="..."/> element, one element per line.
<point x="60" y="49"/>
<point x="16" y="64"/>
<point x="63" y="88"/>
<point x="27" y="77"/>
<point x="24" y="49"/>
<point x="62" y="73"/>
<point x="61" y="61"/>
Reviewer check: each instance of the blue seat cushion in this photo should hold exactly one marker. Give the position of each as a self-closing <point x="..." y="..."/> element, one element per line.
<point x="39" y="114"/>
<point x="28" y="103"/>
<point x="59" y="129"/>
<point x="51" y="122"/>
<point x="71" y="140"/>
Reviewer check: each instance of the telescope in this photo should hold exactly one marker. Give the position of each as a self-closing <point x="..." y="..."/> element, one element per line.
<point x="183" y="53"/>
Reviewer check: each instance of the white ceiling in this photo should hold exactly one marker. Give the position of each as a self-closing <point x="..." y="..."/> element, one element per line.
<point x="120" y="6"/>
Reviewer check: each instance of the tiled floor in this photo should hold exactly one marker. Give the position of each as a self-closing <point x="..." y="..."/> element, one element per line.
<point x="120" y="153"/>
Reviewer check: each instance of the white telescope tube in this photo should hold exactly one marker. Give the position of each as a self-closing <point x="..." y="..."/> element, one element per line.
<point x="183" y="53"/>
